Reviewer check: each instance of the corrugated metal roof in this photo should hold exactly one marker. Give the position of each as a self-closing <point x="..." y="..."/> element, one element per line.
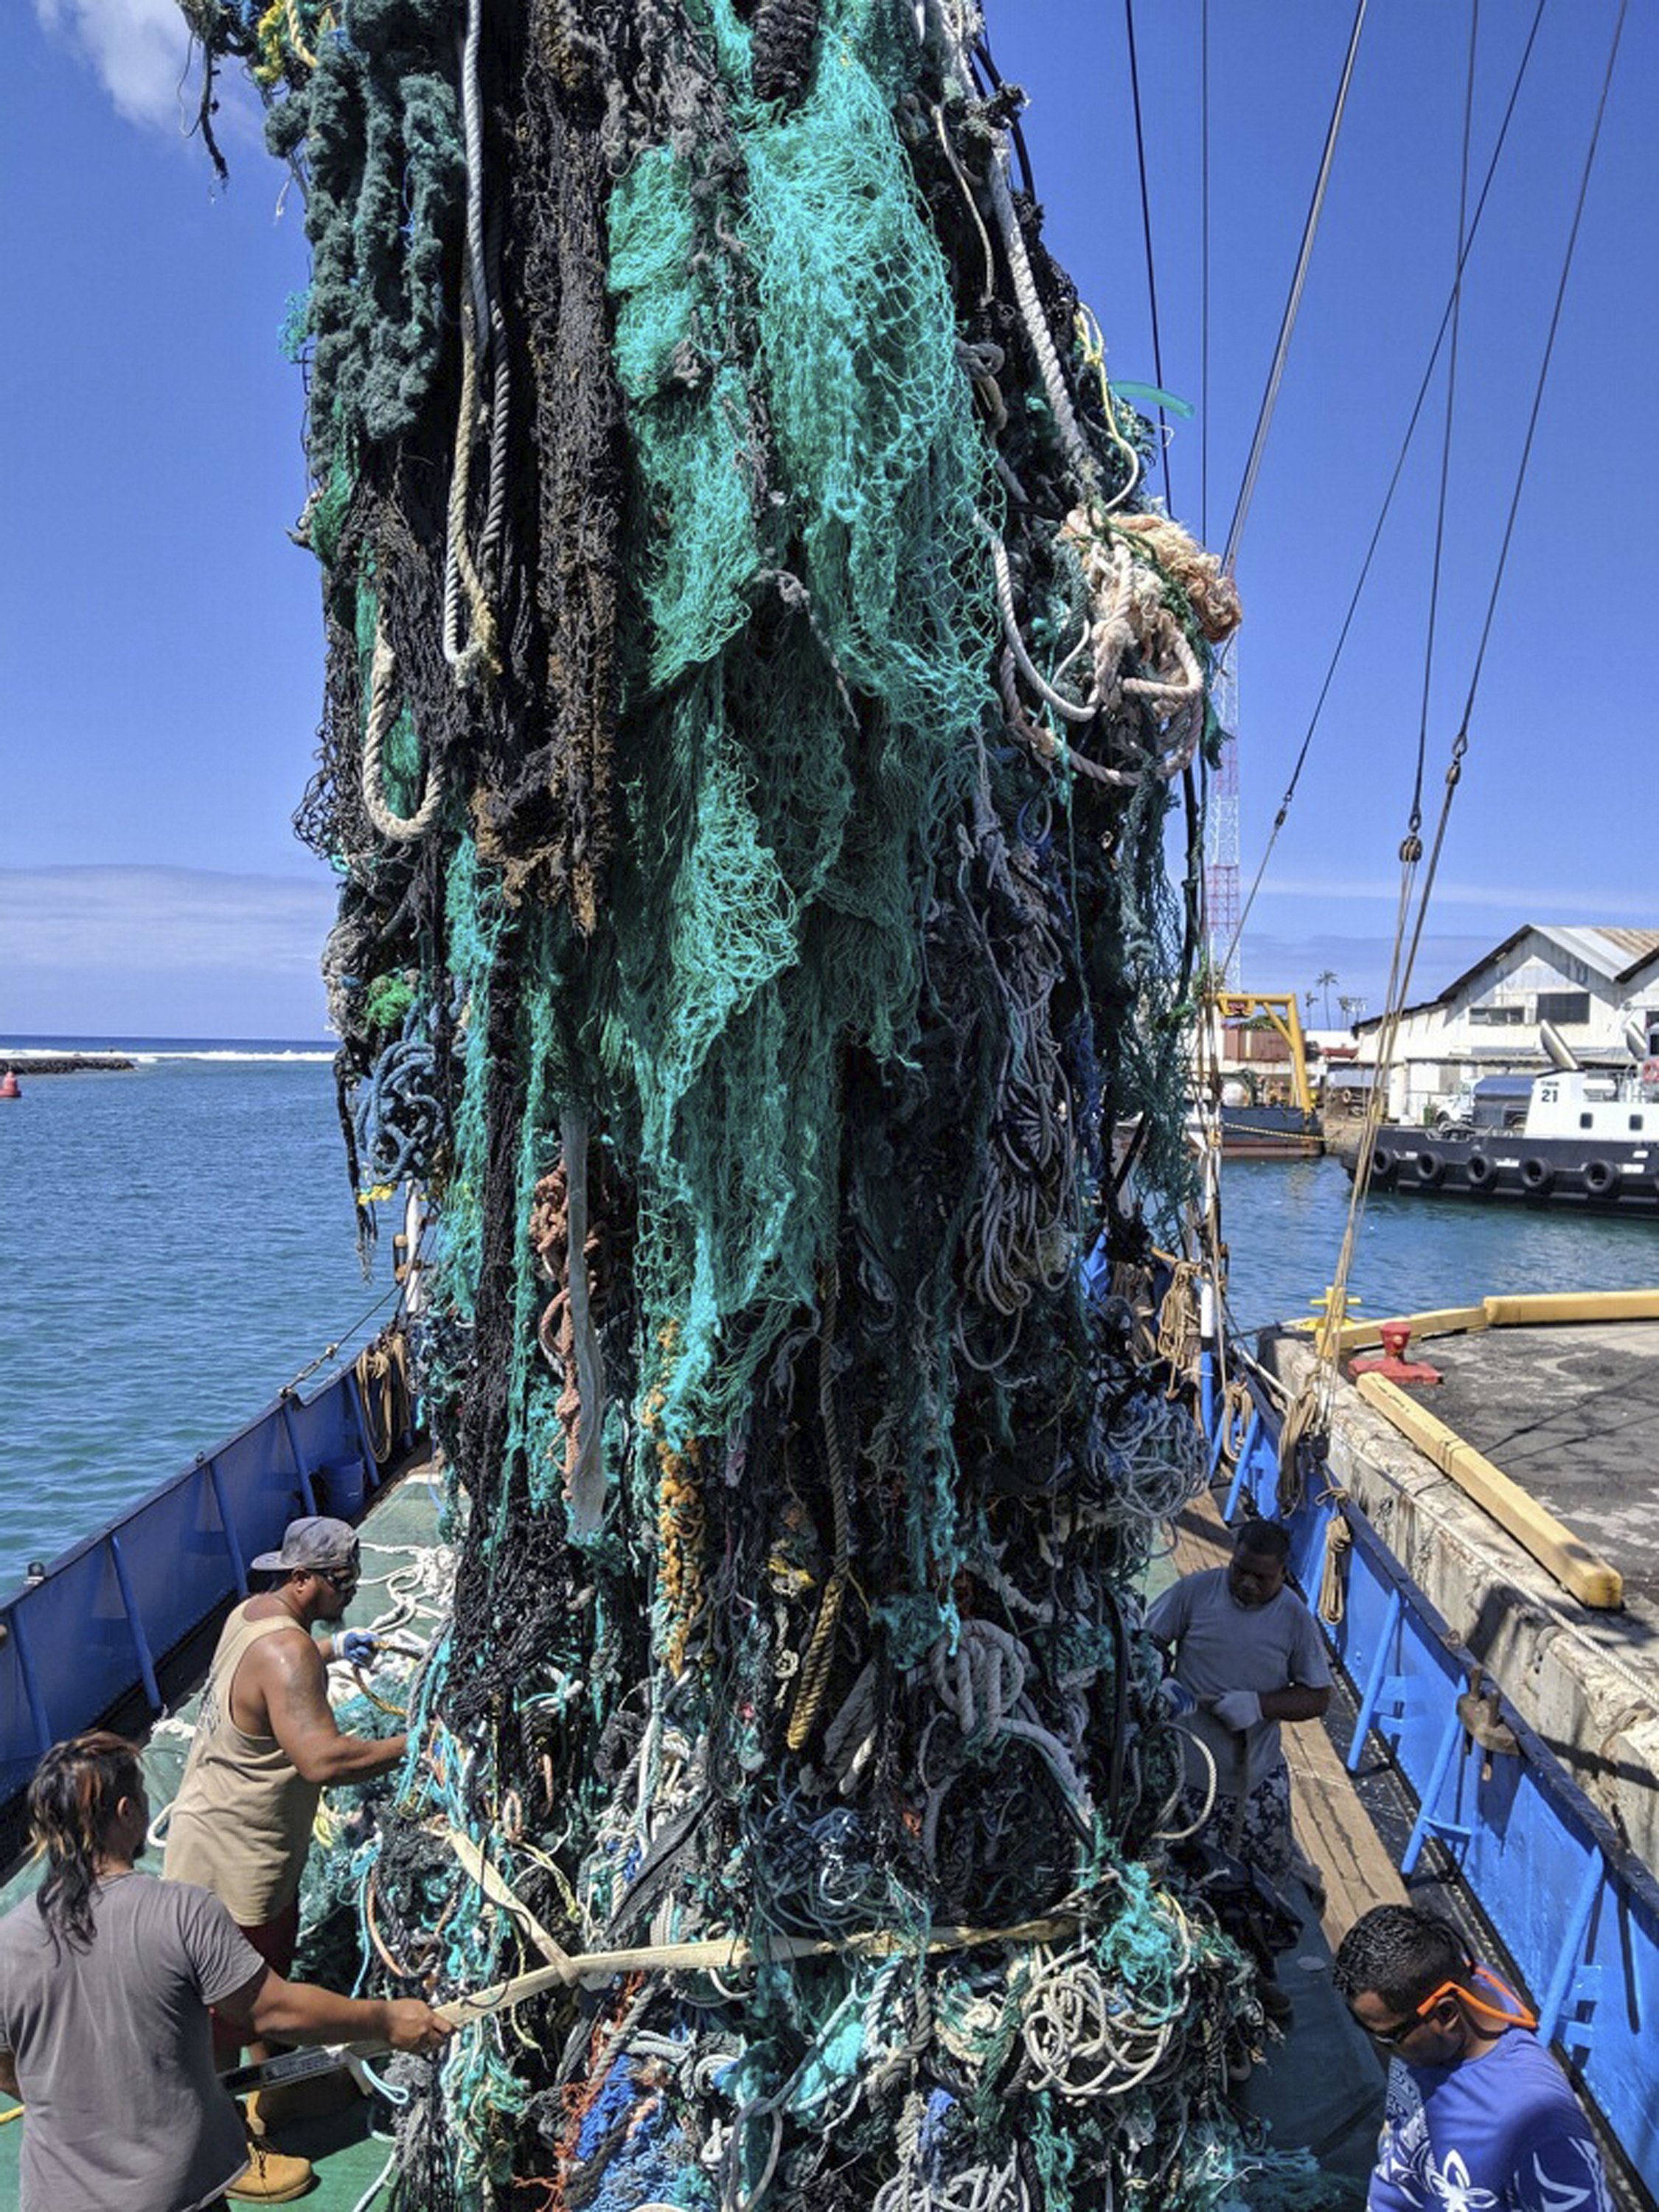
<point x="1611" y="952"/>
<point x="1642" y="945"/>
<point x="1616" y="954"/>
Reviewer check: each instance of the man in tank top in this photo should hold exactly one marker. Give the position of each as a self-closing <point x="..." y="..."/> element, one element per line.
<point x="267" y="1743"/>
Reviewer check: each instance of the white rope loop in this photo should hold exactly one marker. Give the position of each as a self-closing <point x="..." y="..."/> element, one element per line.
<point x="382" y="705"/>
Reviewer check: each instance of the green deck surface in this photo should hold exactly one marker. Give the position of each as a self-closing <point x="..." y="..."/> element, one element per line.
<point x="348" y="2159"/>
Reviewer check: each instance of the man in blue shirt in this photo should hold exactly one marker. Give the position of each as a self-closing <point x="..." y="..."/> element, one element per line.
<point x="1479" y="2117"/>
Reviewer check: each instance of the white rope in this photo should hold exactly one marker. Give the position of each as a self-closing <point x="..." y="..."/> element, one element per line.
<point x="1163" y="1835"/>
<point x="1037" y="327"/>
<point x="1084" y="2038"/>
<point x="401" y="828"/>
<point x="480" y="654"/>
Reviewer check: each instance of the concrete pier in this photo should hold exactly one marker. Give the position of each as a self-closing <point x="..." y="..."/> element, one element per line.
<point x="1569" y="1411"/>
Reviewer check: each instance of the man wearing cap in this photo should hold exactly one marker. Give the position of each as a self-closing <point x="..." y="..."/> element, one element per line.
<point x="266" y="1744"/>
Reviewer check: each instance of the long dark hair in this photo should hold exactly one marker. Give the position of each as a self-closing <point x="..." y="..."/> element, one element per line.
<point x="72" y="1802"/>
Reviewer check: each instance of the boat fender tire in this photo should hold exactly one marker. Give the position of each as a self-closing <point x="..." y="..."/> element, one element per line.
<point x="1479" y="1170"/>
<point x="1536" y="1175"/>
<point x="1381" y="1164"/>
<point x="1600" y="1177"/>
<point x="1430" y="1168"/>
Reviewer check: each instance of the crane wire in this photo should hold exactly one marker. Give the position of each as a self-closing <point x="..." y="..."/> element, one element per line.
<point x="1549" y="348"/>
<point x="1293" y="302"/>
<point x="1444" y="489"/>
<point x="1411" y="846"/>
<point x="1411" y="849"/>
<point x="1204" y="278"/>
<point x="1286" y="325"/>
<point x="1423" y="389"/>
<point x="1146" y="235"/>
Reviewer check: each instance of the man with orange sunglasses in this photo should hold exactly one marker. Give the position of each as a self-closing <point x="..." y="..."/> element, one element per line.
<point x="1479" y="2117"/>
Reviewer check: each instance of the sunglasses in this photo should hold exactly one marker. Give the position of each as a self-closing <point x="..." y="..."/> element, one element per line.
<point x="1513" y="2014"/>
<point x="1389" y="2036"/>
<point x="342" y="1577"/>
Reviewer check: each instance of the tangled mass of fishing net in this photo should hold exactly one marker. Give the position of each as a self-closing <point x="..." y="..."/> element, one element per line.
<point x="756" y="689"/>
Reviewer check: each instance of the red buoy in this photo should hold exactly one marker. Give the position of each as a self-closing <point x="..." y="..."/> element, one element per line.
<point x="10" y="1086"/>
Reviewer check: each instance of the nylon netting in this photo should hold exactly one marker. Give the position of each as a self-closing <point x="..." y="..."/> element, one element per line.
<point x="756" y="691"/>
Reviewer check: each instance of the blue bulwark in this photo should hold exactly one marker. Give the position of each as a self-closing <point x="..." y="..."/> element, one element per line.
<point x="1577" y="1913"/>
<point x="97" y="1631"/>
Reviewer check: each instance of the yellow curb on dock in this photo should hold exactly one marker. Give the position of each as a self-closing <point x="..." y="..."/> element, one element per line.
<point x="1532" y="1310"/>
<point x="1557" y="1550"/>
<point x="1539" y="1308"/>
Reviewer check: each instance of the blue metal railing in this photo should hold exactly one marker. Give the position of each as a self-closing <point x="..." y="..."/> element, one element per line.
<point x="96" y="1628"/>
<point x="1577" y="1911"/>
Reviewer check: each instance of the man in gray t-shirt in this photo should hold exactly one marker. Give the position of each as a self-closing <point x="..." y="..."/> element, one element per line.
<point x="1251" y="1654"/>
<point x="116" y="2050"/>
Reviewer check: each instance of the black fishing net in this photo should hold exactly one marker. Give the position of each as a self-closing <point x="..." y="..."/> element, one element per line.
<point x="756" y="693"/>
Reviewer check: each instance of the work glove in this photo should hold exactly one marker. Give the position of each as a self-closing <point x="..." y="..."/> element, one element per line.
<point x="1236" y="1709"/>
<point x="1176" y="1696"/>
<point x="357" y="1647"/>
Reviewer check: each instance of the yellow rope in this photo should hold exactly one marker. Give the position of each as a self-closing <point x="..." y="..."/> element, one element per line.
<point x="1178" y="1338"/>
<point x="1234" y="1418"/>
<point x="284" y="16"/>
<point x="814" y="1679"/>
<point x="397" y="1712"/>
<point x="295" y="38"/>
<point x="680" y="1524"/>
<point x="1093" y="344"/>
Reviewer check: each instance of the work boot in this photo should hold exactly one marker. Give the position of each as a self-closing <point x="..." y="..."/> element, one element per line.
<point x="314" y="2098"/>
<point x="269" y="2177"/>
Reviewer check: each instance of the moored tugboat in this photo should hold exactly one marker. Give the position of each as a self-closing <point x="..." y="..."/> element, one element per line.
<point x="1590" y="1140"/>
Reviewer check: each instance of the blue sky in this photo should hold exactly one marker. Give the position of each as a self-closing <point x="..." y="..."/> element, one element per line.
<point x="161" y="637"/>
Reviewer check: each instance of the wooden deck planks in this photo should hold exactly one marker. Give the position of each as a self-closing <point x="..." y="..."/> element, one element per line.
<point x="1333" y="1828"/>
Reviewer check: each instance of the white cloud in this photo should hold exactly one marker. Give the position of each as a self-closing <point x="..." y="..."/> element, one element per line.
<point x="161" y="951"/>
<point x="1529" y="901"/>
<point x="145" y="918"/>
<point x="140" y="49"/>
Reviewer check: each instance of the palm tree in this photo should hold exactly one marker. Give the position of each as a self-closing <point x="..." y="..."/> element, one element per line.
<point x="1322" y="981"/>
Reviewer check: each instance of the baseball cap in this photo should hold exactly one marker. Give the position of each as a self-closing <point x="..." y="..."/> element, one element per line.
<point x="309" y="1545"/>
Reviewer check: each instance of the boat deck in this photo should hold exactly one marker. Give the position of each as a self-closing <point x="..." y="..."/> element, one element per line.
<point x="1562" y="1400"/>
<point x="1332" y="1827"/>
<point x="1322" y="2088"/>
<point x="346" y="2153"/>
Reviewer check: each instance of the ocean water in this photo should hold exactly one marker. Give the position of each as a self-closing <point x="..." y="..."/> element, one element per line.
<point x="179" y="1244"/>
<point x="1284" y="1222"/>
